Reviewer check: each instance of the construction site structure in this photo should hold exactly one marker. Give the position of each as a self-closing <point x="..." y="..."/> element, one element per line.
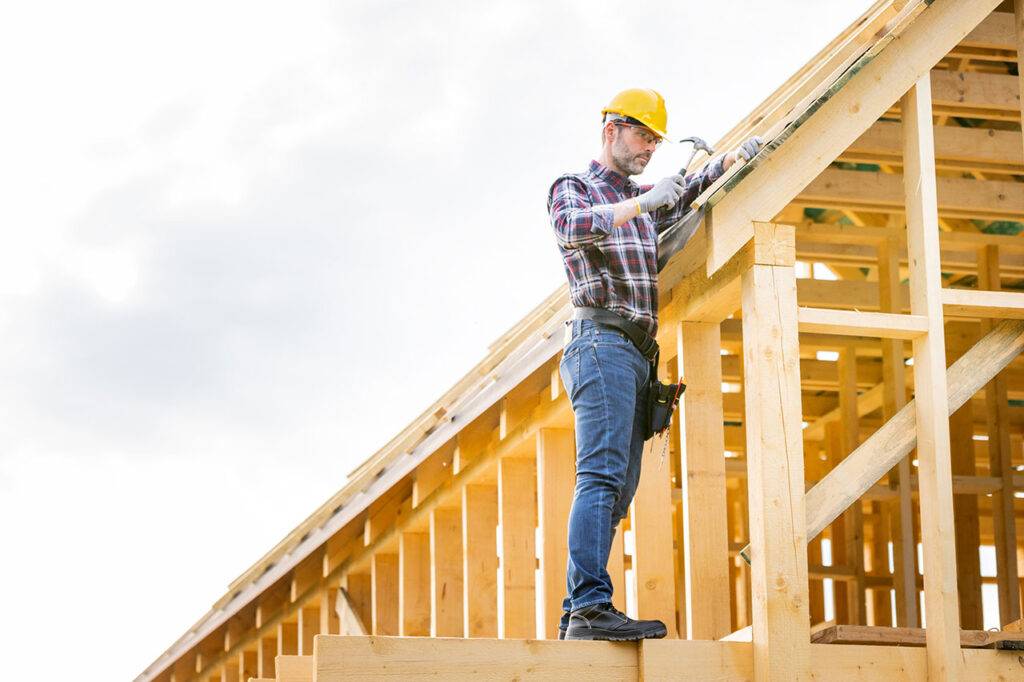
<point x="848" y="318"/>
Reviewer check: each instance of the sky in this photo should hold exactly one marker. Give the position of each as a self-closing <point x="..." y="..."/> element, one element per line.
<point x="244" y="246"/>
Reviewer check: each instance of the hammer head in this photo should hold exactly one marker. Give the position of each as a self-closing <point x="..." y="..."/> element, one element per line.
<point x="699" y="145"/>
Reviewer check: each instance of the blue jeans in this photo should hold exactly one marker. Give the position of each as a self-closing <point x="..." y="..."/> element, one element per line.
<point x="605" y="377"/>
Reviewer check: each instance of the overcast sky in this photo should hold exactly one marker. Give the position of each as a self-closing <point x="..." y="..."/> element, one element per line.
<point x="243" y="248"/>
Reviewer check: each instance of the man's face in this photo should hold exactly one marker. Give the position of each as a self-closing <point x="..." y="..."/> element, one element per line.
<point x="632" y="147"/>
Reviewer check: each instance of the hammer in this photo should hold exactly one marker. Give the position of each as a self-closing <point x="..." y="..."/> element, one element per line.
<point x="698" y="146"/>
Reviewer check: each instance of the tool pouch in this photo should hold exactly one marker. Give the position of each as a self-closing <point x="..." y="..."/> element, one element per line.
<point x="661" y="402"/>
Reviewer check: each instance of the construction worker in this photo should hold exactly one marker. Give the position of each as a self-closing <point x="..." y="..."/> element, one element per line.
<point x="607" y="228"/>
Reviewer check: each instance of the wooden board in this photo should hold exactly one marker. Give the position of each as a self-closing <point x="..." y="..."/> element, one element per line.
<point x="359" y="658"/>
<point x="862" y="634"/>
<point x="375" y="658"/>
<point x="295" y="668"/>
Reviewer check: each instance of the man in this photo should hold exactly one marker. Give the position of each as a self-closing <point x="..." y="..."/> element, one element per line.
<point x="607" y="231"/>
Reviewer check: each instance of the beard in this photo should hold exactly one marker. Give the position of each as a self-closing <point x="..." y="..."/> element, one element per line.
<point x="633" y="163"/>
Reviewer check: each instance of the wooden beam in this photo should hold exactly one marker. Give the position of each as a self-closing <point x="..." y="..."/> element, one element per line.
<point x="517" y="517"/>
<point x="446" y="572"/>
<point x="556" y="473"/>
<point x="480" y="562"/>
<point x="653" y="564"/>
<point x="965" y="516"/>
<point x="775" y="473"/>
<point x="457" y="659"/>
<point x="1000" y="463"/>
<point x="972" y="303"/>
<point x="309" y="627"/>
<point x="850" y="111"/>
<point x="246" y="665"/>
<point x="956" y="148"/>
<point x="886" y="636"/>
<point x="617" y="569"/>
<point x="384" y="583"/>
<point x="354" y="604"/>
<point x="896" y="438"/>
<point x="705" y="536"/>
<point x="474" y="659"/>
<point x="703" y="298"/>
<point x="330" y="623"/>
<point x="930" y="390"/>
<point x="266" y="649"/>
<point x="849" y="438"/>
<point x="856" y="323"/>
<point x="414" y="584"/>
<point x="292" y="668"/>
<point x="894" y="397"/>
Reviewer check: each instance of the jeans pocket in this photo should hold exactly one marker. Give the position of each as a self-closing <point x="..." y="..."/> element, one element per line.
<point x="569" y="368"/>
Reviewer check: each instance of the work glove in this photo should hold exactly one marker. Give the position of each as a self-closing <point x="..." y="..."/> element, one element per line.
<point x="749" y="149"/>
<point x="665" y="193"/>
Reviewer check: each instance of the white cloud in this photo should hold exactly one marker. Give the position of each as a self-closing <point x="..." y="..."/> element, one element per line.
<point x="234" y="230"/>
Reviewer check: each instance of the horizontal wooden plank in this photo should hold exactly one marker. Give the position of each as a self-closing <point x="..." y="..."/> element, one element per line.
<point x="664" y="659"/>
<point x="973" y="303"/>
<point x="864" y="634"/>
<point x="956" y="148"/>
<point x="452" y="658"/>
<point x="347" y="658"/>
<point x="883" y="192"/>
<point x="856" y="323"/>
<point x="990" y="95"/>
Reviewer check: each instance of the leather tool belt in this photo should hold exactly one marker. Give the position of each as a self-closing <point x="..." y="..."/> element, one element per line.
<point x="644" y="342"/>
<point x="661" y="398"/>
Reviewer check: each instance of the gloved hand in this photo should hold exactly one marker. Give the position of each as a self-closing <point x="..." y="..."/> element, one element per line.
<point x="749" y="149"/>
<point x="665" y="193"/>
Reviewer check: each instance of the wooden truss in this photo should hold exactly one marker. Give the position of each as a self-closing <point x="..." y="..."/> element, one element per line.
<point x="445" y="554"/>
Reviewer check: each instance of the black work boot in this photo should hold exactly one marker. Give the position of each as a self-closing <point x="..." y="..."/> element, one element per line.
<point x="604" y="621"/>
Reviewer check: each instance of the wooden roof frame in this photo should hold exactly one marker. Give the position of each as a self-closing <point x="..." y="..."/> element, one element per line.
<point x="895" y="43"/>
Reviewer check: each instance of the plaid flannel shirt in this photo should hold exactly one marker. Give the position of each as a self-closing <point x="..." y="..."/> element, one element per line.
<point x="615" y="267"/>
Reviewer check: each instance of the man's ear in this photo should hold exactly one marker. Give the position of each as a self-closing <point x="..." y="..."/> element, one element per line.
<point x="608" y="133"/>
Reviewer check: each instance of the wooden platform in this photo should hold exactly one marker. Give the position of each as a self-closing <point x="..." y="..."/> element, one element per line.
<point x="413" y="658"/>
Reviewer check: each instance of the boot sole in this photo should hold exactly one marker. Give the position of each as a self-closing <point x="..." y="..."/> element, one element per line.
<point x="615" y="636"/>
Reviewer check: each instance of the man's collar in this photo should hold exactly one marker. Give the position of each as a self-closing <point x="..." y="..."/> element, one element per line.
<point x="614" y="179"/>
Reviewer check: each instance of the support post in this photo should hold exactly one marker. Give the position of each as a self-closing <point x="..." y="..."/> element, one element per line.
<point x="359" y="595"/>
<point x="901" y="512"/>
<point x="309" y="627"/>
<point x="556" y="475"/>
<point x="517" y="516"/>
<point x="653" y="565"/>
<point x="1000" y="464"/>
<point x="965" y="515"/>
<point x="705" y="519"/>
<point x="935" y="483"/>
<point x="384" y="583"/>
<point x="266" y="650"/>
<point x="414" y="585"/>
<point x="480" y="567"/>
<point x="329" y="622"/>
<point x="853" y="527"/>
<point x="446" y="572"/>
<point x="775" y="469"/>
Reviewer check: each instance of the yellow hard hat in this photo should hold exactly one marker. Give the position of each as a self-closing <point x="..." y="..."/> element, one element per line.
<point x="646" y="106"/>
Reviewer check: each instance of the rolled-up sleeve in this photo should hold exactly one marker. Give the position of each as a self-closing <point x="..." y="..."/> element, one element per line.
<point x="576" y="221"/>
<point x="696" y="183"/>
